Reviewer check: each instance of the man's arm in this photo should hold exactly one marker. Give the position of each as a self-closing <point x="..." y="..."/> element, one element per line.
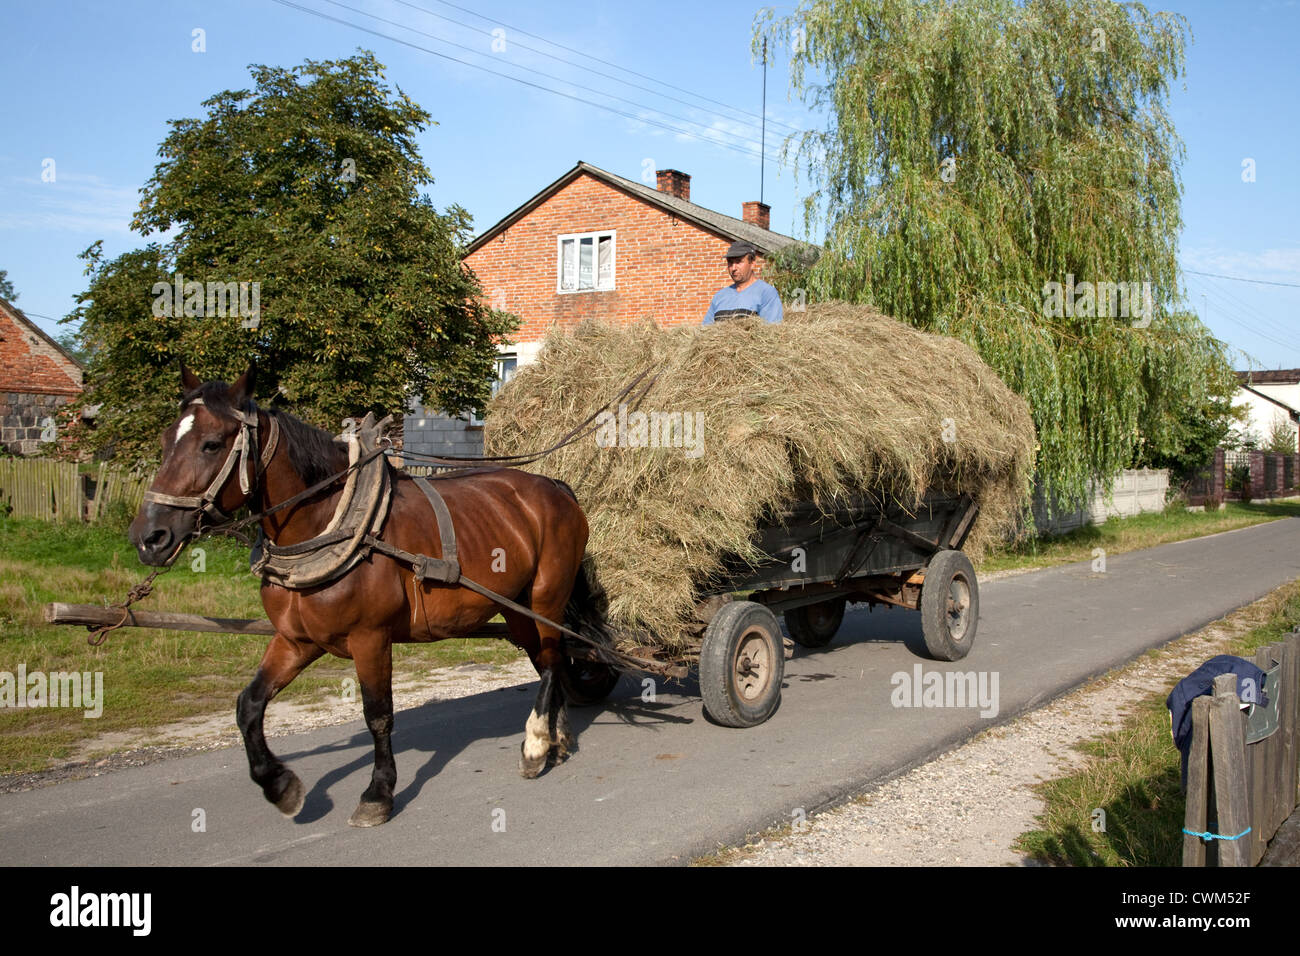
<point x="713" y="307"/>
<point x="770" y="308"/>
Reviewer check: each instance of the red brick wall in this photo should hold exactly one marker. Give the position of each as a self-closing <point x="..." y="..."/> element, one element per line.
<point x="30" y="364"/>
<point x="664" y="268"/>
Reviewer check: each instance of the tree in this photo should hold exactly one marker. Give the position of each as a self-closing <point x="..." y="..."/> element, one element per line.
<point x="6" y="287"/>
<point x="984" y="162"/>
<point x="297" y="236"/>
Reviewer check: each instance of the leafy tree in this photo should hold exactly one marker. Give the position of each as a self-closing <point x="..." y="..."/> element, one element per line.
<point x="976" y="152"/>
<point x="309" y="186"/>
<point x="6" y="287"/>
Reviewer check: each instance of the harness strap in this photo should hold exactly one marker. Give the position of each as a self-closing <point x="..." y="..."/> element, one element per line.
<point x="446" y="530"/>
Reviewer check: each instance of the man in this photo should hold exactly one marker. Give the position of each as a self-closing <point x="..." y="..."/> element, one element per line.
<point x="747" y="294"/>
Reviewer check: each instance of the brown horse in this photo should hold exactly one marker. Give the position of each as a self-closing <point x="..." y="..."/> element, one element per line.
<point x="522" y="535"/>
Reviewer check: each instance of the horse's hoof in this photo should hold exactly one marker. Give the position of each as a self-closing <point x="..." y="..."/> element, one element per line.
<point x="564" y="749"/>
<point x="530" y="767"/>
<point x="370" y="814"/>
<point x="294" y="796"/>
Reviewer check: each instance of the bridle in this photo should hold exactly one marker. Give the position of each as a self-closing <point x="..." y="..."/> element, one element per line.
<point x="242" y="458"/>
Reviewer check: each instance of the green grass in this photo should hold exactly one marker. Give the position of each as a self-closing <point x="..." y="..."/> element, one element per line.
<point x="1134" y="774"/>
<point x="1118" y="535"/>
<point x="151" y="677"/>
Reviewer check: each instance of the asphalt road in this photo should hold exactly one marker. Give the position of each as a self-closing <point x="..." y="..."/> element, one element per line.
<point x="654" y="781"/>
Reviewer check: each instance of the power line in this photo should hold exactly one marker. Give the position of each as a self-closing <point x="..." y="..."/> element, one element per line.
<point x="1215" y="275"/>
<point x="516" y="79"/>
<point x="1245" y="309"/>
<point x="616" y="66"/>
<point x="549" y="76"/>
<point x="1234" y="315"/>
<point x="609" y="76"/>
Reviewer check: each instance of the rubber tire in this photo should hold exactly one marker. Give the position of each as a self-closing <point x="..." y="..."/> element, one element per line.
<point x="718" y="654"/>
<point x="815" y="625"/>
<point x="587" y="683"/>
<point x="935" y="624"/>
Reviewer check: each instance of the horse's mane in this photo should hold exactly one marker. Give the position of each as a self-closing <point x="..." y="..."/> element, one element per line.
<point x="313" y="452"/>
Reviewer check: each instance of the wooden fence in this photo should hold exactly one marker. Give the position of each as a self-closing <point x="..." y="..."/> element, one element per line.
<point x="1236" y="788"/>
<point x="58" y="491"/>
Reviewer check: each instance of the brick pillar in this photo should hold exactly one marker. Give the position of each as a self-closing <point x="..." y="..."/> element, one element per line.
<point x="1219" y="480"/>
<point x="1256" y="474"/>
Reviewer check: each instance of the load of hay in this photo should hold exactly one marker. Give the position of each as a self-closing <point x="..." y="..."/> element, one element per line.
<point x="744" y="419"/>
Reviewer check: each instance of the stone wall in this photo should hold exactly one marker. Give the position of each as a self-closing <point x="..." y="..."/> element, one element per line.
<point x="22" y="415"/>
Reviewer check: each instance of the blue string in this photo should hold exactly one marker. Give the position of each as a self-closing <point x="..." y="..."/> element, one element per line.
<point x="1207" y="836"/>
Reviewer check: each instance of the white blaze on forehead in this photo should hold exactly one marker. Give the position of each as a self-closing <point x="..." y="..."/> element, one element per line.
<point x="186" y="424"/>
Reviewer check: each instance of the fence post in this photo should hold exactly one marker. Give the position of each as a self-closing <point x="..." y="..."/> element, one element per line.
<point x="1200" y="787"/>
<point x="1231" y="775"/>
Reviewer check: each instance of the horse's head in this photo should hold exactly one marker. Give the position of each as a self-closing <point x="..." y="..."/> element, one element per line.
<point x="209" y="466"/>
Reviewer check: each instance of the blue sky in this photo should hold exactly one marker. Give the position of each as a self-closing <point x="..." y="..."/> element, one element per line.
<point x="91" y="85"/>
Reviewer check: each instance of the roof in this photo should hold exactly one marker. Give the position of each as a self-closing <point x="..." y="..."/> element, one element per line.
<point x="729" y="227"/>
<point x="1282" y="376"/>
<point x="1292" y="411"/>
<point x="17" y="313"/>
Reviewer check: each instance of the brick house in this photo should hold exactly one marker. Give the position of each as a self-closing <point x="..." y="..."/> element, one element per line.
<point x="593" y="244"/>
<point x="36" y="377"/>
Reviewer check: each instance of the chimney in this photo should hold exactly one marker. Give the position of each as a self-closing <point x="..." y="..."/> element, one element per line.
<point x="759" y="213"/>
<point x="674" y="182"/>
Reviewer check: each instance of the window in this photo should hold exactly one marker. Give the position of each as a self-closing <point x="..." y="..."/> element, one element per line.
<point x="505" y="372"/>
<point x="585" y="262"/>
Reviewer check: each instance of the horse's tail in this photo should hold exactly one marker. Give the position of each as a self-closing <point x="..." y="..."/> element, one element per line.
<point x="585" y="612"/>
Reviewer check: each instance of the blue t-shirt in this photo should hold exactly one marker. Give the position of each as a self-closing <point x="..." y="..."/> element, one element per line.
<point x="758" y="297"/>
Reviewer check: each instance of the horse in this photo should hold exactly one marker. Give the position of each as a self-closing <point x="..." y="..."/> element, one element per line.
<point x="524" y="534"/>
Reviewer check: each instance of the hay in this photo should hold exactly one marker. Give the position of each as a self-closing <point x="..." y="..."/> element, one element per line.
<point x="832" y="402"/>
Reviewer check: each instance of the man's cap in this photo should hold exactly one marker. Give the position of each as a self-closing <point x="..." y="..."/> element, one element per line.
<point x="741" y="248"/>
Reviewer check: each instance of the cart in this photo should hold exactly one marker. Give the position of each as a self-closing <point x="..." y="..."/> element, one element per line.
<point x="816" y="562"/>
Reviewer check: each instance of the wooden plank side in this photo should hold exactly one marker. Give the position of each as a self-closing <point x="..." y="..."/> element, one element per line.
<point x="1231" y="774"/>
<point x="1259" y="758"/>
<point x="1199" y="783"/>
<point x="1291" y="702"/>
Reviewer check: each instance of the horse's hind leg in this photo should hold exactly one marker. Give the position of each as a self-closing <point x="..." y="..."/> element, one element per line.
<point x="547" y="725"/>
<point x="283" y="661"/>
<point x="374" y="660"/>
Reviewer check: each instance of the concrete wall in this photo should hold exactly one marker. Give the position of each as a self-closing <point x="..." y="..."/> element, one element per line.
<point x="434" y="433"/>
<point x="1135" y="492"/>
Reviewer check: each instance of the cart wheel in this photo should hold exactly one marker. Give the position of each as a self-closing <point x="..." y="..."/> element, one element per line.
<point x="950" y="606"/>
<point x="813" y="625"/>
<point x="742" y="663"/>
<point x="587" y="683"/>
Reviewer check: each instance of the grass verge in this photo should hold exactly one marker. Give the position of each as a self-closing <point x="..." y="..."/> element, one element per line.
<point x="1118" y="535"/>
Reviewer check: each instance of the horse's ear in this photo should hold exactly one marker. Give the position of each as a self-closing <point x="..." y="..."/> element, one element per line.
<point x="189" y="381"/>
<point x="242" y="390"/>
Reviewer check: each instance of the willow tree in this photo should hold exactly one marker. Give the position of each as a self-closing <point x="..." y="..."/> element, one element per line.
<point x="988" y="170"/>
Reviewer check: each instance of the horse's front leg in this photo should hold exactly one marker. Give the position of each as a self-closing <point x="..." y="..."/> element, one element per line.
<point x="373" y="654"/>
<point x="283" y="661"/>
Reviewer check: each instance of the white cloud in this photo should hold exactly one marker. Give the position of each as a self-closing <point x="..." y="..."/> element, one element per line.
<point x="74" y="202"/>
